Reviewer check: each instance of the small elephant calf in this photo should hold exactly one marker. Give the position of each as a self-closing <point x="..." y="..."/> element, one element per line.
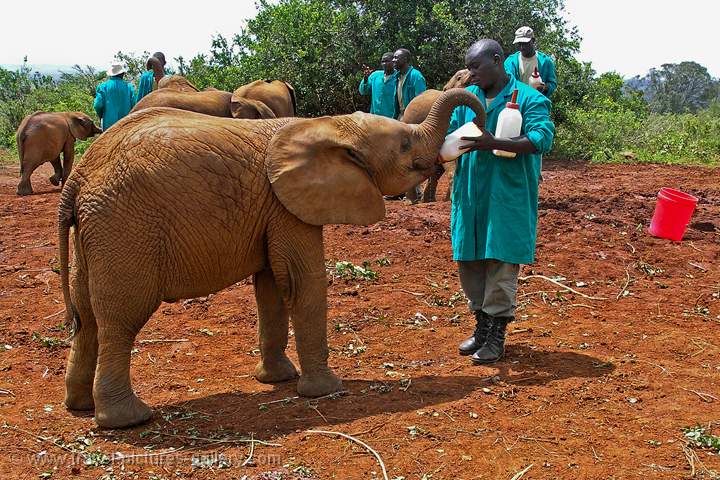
<point x="42" y="136"/>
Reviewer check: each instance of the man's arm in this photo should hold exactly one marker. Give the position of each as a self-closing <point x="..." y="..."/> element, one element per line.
<point x="551" y="80"/>
<point x="99" y="103"/>
<point x="365" y="87"/>
<point x="420" y="84"/>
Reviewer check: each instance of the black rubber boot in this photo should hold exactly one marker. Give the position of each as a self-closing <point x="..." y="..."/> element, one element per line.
<point x="472" y="344"/>
<point x="494" y="346"/>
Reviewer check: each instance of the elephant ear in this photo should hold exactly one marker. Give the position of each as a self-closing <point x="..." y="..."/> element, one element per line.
<point x="320" y="177"/>
<point x="292" y="97"/>
<point x="245" y="108"/>
<point x="79" y="125"/>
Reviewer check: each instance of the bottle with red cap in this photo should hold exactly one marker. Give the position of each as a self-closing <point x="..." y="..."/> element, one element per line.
<point x="509" y="124"/>
<point x="536" y="81"/>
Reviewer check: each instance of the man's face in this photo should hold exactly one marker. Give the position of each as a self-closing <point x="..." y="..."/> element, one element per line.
<point x="527" y="49"/>
<point x="400" y="59"/>
<point x="387" y="64"/>
<point x="483" y="70"/>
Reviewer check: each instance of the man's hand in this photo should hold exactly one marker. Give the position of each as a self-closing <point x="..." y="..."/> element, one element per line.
<point x="486" y="141"/>
<point x="366" y="71"/>
<point x="542" y="88"/>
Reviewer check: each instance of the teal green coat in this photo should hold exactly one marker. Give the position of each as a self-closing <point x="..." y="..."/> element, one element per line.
<point x="414" y="85"/>
<point x="495" y="199"/>
<point x="383" y="93"/>
<point x="145" y="84"/>
<point x="114" y="98"/>
<point x="546" y="68"/>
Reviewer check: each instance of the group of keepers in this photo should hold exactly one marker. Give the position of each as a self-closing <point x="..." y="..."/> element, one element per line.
<point x="494" y="200"/>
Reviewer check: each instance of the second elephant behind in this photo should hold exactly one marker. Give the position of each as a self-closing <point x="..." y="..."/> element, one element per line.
<point x="257" y="100"/>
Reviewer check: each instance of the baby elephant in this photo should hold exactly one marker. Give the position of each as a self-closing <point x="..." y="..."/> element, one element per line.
<point x="42" y="136"/>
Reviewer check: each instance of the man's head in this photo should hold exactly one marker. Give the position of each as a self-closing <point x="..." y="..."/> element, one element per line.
<point x="485" y="61"/>
<point x="160" y="56"/>
<point x="401" y="59"/>
<point x="525" y="40"/>
<point x="386" y="62"/>
<point x="155" y="65"/>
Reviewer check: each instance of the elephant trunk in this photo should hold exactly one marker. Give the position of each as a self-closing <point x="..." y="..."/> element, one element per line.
<point x="433" y="129"/>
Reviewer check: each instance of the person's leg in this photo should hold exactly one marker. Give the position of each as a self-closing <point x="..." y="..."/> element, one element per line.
<point x="472" y="280"/>
<point x="499" y="304"/>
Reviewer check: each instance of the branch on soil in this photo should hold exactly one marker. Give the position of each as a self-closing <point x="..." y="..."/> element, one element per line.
<point x="543" y="277"/>
<point x="359" y="442"/>
<point x="705" y="397"/>
<point x="522" y="472"/>
<point x="624" y="288"/>
<point x="162" y="340"/>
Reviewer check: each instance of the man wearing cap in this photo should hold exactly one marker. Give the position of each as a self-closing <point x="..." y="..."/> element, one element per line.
<point x="381" y="85"/>
<point x="410" y="82"/>
<point x="493" y="221"/>
<point x="522" y="63"/>
<point x="114" y="98"/>
<point x="155" y="70"/>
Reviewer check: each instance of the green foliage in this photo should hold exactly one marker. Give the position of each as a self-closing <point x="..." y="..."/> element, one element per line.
<point x="350" y="271"/>
<point x="700" y="438"/>
<point x="321" y="46"/>
<point x="678" y="88"/>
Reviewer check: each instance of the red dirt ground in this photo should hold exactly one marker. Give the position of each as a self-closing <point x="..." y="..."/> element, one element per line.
<point x="587" y="389"/>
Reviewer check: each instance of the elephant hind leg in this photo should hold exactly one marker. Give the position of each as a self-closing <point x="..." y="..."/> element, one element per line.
<point x="82" y="360"/>
<point x="120" y="313"/>
<point x="273" y="317"/>
<point x="57" y="176"/>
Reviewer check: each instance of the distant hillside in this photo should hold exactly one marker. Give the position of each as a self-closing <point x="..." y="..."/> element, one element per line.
<point x="52" y="70"/>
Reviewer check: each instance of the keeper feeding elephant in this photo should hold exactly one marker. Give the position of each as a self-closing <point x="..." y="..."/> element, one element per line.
<point x="171" y="204"/>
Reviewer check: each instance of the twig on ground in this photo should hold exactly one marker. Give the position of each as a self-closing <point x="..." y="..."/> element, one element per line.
<point x="665" y="370"/>
<point x="252" y="450"/>
<point x="561" y="285"/>
<point x="370" y="430"/>
<point x="624" y="288"/>
<point x="698" y="266"/>
<point x="579" y="305"/>
<point x="290" y="399"/>
<point x="630" y="245"/>
<point x="359" y="442"/>
<point x="314" y="407"/>
<point x="38" y="437"/>
<point x="215" y="440"/>
<point x="595" y="454"/>
<point x="6" y="392"/>
<point x="162" y="340"/>
<point x="694" y="247"/>
<point x="54" y="314"/>
<point x="522" y="472"/>
<point x="690" y="456"/>
<point x="119" y="456"/>
<point x="282" y="400"/>
<point x="546" y="440"/>
<point x="412" y="293"/>
<point x="705" y="397"/>
<point x="448" y="415"/>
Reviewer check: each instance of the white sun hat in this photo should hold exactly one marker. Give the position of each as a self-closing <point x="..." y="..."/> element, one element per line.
<point x="116" y="69"/>
<point x="524" y="35"/>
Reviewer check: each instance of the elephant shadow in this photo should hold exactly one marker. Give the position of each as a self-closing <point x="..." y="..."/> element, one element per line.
<point x="277" y="412"/>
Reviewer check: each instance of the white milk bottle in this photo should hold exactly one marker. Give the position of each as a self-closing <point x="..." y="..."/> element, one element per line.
<point x="509" y="124"/>
<point x="535" y="80"/>
<point x="453" y="146"/>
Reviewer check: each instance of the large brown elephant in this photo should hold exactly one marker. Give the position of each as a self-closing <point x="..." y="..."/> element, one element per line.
<point x="215" y="102"/>
<point x="177" y="82"/>
<point x="264" y="99"/>
<point x="42" y="136"/>
<point x="415" y="113"/>
<point x="171" y="204"/>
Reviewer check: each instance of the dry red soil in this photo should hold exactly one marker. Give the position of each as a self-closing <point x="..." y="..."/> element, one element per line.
<point x="588" y="388"/>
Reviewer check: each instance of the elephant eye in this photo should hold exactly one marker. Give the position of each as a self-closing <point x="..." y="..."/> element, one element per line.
<point x="405" y="144"/>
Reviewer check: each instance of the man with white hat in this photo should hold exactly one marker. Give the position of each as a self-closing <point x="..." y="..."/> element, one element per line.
<point x="114" y="98"/>
<point x="522" y="63"/>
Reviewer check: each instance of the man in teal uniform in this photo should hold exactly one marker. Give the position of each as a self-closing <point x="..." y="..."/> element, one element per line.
<point x="522" y="63"/>
<point x="410" y="82"/>
<point x="114" y="98"/>
<point x="148" y="80"/>
<point x="381" y="85"/>
<point x="495" y="200"/>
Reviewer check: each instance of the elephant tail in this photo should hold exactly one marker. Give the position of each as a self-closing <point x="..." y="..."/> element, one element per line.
<point x="66" y="220"/>
<point x="20" y="138"/>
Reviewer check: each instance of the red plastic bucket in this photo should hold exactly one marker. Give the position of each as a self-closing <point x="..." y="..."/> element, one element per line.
<point x="673" y="211"/>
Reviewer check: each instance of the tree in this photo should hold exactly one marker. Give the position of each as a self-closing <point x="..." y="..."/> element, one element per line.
<point x="679" y="88"/>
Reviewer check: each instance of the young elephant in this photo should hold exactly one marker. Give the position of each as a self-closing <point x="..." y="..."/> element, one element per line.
<point x="42" y="136"/>
<point x="264" y="99"/>
<point x="214" y="102"/>
<point x="172" y="204"/>
<point x="177" y="82"/>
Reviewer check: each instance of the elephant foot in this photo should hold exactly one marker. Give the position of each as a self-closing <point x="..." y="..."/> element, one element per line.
<point x="24" y="190"/>
<point x="79" y="398"/>
<point x="54" y="180"/>
<point x="126" y="413"/>
<point x="275" y="371"/>
<point x="318" y="384"/>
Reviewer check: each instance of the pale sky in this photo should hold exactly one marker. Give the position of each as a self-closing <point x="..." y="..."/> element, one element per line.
<point x="628" y="36"/>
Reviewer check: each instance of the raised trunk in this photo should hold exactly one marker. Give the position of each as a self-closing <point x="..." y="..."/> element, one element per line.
<point x="434" y="128"/>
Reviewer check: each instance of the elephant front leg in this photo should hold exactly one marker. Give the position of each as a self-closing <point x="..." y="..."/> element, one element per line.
<point x="56" y="178"/>
<point x="309" y="317"/>
<point x="274" y="365"/>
